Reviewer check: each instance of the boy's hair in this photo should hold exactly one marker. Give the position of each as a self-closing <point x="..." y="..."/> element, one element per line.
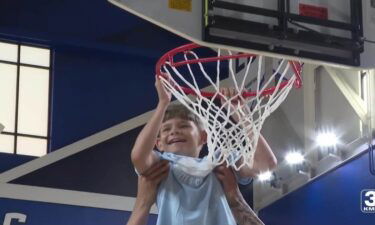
<point x="178" y="110"/>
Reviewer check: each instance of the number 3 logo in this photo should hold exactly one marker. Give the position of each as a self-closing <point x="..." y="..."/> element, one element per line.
<point x="371" y="201"/>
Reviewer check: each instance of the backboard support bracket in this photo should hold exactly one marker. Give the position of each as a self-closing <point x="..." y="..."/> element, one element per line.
<point x="358" y="105"/>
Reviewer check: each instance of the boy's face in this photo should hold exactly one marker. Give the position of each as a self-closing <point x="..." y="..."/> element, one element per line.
<point x="181" y="136"/>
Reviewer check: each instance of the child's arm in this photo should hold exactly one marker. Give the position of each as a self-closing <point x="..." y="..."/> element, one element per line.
<point x="142" y="155"/>
<point x="264" y="158"/>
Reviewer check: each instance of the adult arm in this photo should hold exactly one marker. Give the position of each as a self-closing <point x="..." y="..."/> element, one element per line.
<point x="147" y="190"/>
<point x="242" y="212"/>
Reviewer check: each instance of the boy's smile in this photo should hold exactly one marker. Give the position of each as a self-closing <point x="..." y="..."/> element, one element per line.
<point x="176" y="140"/>
<point x="181" y="136"/>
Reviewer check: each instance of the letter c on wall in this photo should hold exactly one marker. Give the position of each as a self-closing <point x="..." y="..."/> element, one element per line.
<point x="21" y="218"/>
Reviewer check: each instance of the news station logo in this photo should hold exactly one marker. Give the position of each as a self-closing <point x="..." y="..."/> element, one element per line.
<point x="368" y="201"/>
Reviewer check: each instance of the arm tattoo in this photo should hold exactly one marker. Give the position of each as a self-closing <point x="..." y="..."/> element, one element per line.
<point x="243" y="214"/>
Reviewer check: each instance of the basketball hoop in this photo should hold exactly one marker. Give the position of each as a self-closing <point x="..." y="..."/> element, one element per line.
<point x="257" y="95"/>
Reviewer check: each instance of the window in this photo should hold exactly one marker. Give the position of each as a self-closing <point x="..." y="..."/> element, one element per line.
<point x="24" y="99"/>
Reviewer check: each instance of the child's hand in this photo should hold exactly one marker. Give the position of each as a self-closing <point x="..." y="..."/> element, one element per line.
<point x="236" y="103"/>
<point x="164" y="95"/>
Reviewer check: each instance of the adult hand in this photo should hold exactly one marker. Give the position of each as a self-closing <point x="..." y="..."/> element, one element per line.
<point x="150" y="180"/>
<point x="229" y="182"/>
<point x="147" y="189"/>
<point x="242" y="212"/>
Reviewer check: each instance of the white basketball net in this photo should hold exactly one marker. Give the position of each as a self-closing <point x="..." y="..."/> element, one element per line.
<point x="229" y="141"/>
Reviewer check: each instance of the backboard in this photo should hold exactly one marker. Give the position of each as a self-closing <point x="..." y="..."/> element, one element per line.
<point x="314" y="31"/>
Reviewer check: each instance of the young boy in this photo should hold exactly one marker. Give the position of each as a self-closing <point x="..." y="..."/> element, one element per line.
<point x="191" y="194"/>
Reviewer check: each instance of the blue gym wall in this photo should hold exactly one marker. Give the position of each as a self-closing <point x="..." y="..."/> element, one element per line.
<point x="39" y="213"/>
<point x="332" y="199"/>
<point x="8" y="161"/>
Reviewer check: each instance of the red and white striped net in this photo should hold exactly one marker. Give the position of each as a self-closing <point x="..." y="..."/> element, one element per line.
<point x="256" y="96"/>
